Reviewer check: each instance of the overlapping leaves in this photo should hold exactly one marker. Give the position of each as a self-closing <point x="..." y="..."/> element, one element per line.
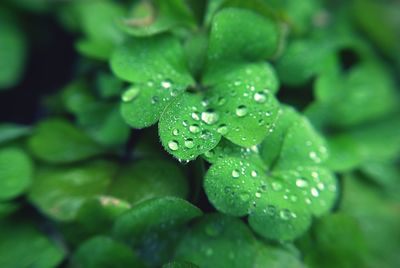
<point x="282" y="191"/>
<point x="236" y="97"/>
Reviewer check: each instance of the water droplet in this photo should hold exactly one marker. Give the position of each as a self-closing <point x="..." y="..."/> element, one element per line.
<point x="154" y="100"/>
<point x="205" y="134"/>
<point x="173" y="145"/>
<point x="209" y="117"/>
<point x="185" y="123"/>
<point x="130" y="94"/>
<point x="221" y="101"/>
<point x="301" y="183"/>
<point x="241" y="110"/>
<point x="276" y="186"/>
<point x="260" y="97"/>
<point x="194" y="128"/>
<point x="222" y="129"/>
<point x="261" y="122"/>
<point x="235" y="173"/>
<point x="166" y="84"/>
<point x="313" y="155"/>
<point x="189" y="143"/>
<point x="258" y="194"/>
<point x="209" y="153"/>
<point x="263" y="187"/>
<point x="195" y="116"/>
<point x="314" y="192"/>
<point x="285" y="214"/>
<point x="271" y="210"/>
<point x="245" y="196"/>
<point x="175" y="132"/>
<point x="293" y="198"/>
<point x="254" y="173"/>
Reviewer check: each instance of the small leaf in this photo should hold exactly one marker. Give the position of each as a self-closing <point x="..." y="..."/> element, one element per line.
<point x="103" y="251"/>
<point x="153" y="216"/>
<point x="239" y="35"/>
<point x="13" y="50"/>
<point x="10" y="132"/>
<point x="282" y="194"/>
<point x="58" y="141"/>
<point x="158" y="70"/>
<point x="16" y="172"/>
<point x="97" y="214"/>
<point x="217" y="240"/>
<point x="16" y="252"/>
<point x="186" y="127"/>
<point x="148" y="179"/>
<point x="60" y="191"/>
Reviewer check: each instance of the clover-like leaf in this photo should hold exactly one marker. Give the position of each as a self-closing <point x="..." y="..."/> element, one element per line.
<point x="60" y="191"/>
<point x="16" y="172"/>
<point x="239" y="35"/>
<point x="16" y="252"/>
<point x="153" y="215"/>
<point x="218" y="240"/>
<point x="158" y="70"/>
<point x="147" y="179"/>
<point x="103" y="251"/>
<point x="281" y="195"/>
<point x="98" y="21"/>
<point x="58" y="141"/>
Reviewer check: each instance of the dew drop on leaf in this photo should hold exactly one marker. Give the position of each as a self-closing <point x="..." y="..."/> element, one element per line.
<point x="173" y="145"/>
<point x="260" y="97"/>
<point x="130" y="94"/>
<point x="194" y="128"/>
<point x="284" y="214"/>
<point x="175" y="132"/>
<point x="241" y="110"/>
<point x="166" y="84"/>
<point x="301" y="183"/>
<point x="245" y="196"/>
<point x="235" y="173"/>
<point x="222" y="129"/>
<point x="276" y="186"/>
<point x="314" y="192"/>
<point x="254" y="173"/>
<point x="154" y="100"/>
<point x="195" y="116"/>
<point x="258" y="194"/>
<point x="189" y="143"/>
<point x="209" y="117"/>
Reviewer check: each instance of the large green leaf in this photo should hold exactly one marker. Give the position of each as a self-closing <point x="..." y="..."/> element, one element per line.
<point x="217" y="240"/>
<point x="103" y="252"/>
<point x="58" y="141"/>
<point x="158" y="70"/>
<point x="60" y="191"/>
<point x="23" y="246"/>
<point x="16" y="172"/>
<point x="151" y="216"/>
<point x="281" y="195"/>
<point x="148" y="179"/>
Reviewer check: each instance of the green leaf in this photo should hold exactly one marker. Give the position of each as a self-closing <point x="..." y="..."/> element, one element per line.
<point x="102" y="252"/>
<point x="217" y="240"/>
<point x="281" y="195"/>
<point x="151" y="216"/>
<point x="239" y="35"/>
<point x="186" y="127"/>
<point x="158" y="70"/>
<point x="179" y="264"/>
<point x="346" y="96"/>
<point x="10" y="132"/>
<point x="60" y="191"/>
<point x="97" y="214"/>
<point x="23" y="246"/>
<point x="149" y="18"/>
<point x="98" y="22"/>
<point x="239" y="106"/>
<point x="12" y="50"/>
<point x="16" y="172"/>
<point x="58" y="141"/>
<point x="329" y="244"/>
<point x="149" y="179"/>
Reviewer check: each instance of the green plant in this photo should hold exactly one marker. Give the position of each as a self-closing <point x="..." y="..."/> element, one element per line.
<point x="216" y="133"/>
